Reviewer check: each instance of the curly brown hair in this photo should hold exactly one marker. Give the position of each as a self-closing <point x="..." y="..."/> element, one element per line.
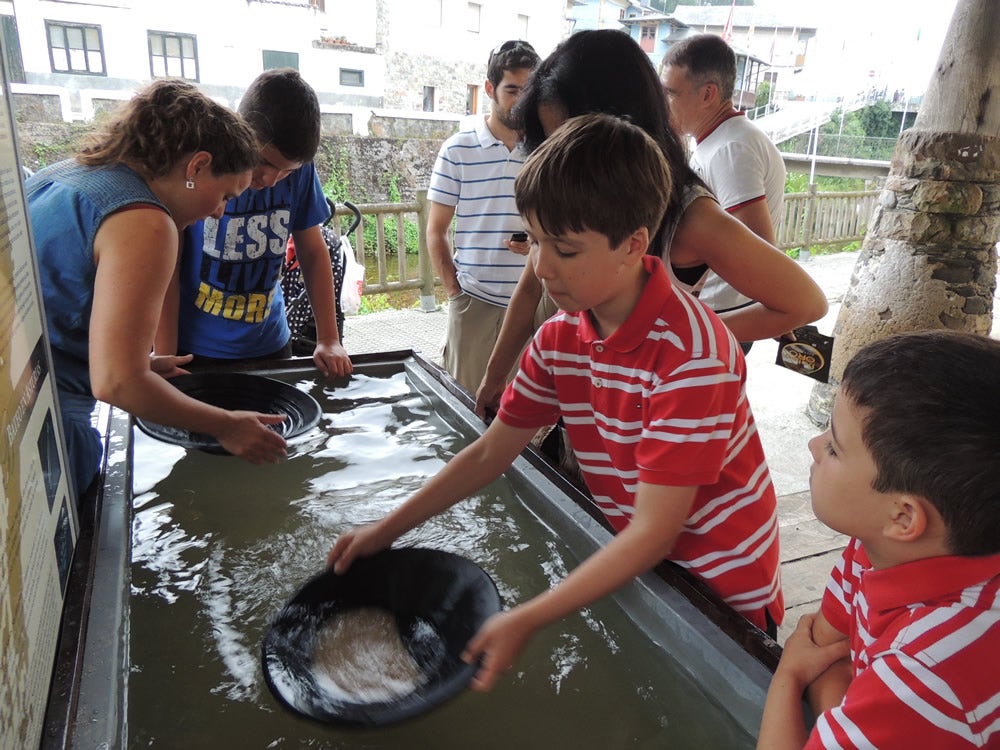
<point x="166" y="121"/>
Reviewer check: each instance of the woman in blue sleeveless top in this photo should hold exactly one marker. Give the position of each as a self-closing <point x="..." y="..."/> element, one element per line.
<point x="106" y="227"/>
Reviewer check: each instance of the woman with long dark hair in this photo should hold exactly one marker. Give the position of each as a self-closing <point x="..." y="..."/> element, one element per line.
<point x="606" y="71"/>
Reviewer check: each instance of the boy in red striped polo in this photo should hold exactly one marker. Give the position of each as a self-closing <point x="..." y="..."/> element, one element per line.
<point x="905" y="651"/>
<point x="651" y="388"/>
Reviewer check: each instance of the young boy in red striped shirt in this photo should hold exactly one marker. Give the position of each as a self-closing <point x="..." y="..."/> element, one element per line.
<point x="649" y="383"/>
<point x="905" y="651"/>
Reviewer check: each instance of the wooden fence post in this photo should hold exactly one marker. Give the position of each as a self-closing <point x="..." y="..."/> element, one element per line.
<point x="428" y="302"/>
<point x="808" y="224"/>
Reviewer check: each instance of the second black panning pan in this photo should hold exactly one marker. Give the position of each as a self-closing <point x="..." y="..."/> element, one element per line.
<point x="237" y="391"/>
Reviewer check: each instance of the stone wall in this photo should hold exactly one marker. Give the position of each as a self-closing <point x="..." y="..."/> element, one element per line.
<point x="363" y="169"/>
<point x="43" y="143"/>
<point x="370" y="170"/>
<point x="37" y="108"/>
<point x="410" y="127"/>
<point x="336" y="123"/>
<point x="406" y="76"/>
<point x="937" y="225"/>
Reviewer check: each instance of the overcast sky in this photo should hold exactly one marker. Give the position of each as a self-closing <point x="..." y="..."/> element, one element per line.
<point x="897" y="41"/>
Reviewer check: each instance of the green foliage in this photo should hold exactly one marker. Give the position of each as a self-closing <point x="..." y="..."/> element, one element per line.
<point x="411" y="230"/>
<point x="763" y="95"/>
<point x="337" y="186"/>
<point x="874" y="121"/>
<point x="826" y="184"/>
<point x="394" y="195"/>
<point x="411" y="235"/>
<point x="877" y="120"/>
<point x="55" y="143"/>
<point x="851" y="125"/>
<point x="868" y="133"/>
<point x="374" y="303"/>
<point x="828" y="249"/>
<point x="798" y="182"/>
<point x="835" y="247"/>
<point x="45" y="154"/>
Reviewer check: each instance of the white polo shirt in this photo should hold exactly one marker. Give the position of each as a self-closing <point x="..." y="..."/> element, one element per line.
<point x="740" y="164"/>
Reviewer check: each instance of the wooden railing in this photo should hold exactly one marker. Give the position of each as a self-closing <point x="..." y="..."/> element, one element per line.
<point x="392" y="221"/>
<point x="814" y="218"/>
<point x="809" y="219"/>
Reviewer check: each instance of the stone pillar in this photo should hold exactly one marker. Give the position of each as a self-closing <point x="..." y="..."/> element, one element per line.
<point x="929" y="257"/>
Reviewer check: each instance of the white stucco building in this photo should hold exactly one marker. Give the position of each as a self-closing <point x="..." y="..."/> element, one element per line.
<point x="410" y="55"/>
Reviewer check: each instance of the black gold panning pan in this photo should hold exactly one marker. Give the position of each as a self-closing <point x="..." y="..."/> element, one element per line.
<point x="238" y="391"/>
<point x="438" y="601"/>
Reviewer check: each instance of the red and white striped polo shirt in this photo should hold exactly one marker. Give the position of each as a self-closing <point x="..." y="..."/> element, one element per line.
<point x="663" y="401"/>
<point x="925" y="645"/>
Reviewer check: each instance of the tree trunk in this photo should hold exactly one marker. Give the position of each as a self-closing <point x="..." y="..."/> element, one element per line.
<point x="929" y="256"/>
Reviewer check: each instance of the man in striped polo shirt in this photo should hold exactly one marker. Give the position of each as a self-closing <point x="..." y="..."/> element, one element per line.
<point x="650" y="384"/>
<point x="473" y="183"/>
<point x="905" y="651"/>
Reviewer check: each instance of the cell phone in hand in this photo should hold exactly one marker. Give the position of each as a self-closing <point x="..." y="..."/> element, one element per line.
<point x="519" y="237"/>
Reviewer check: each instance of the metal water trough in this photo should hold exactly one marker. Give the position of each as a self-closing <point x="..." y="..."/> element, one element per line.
<point x="730" y="658"/>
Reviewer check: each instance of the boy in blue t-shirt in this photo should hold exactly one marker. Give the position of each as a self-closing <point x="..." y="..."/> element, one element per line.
<point x="228" y="302"/>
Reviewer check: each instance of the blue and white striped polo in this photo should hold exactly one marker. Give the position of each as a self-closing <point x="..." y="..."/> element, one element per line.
<point x="475" y="172"/>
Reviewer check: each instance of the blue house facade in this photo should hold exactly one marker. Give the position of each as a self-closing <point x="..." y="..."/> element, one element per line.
<point x="657" y="32"/>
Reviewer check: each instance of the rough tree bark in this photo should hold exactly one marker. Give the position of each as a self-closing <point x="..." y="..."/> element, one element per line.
<point x="929" y="257"/>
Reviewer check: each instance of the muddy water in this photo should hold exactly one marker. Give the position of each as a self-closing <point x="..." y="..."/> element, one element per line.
<point x="218" y="547"/>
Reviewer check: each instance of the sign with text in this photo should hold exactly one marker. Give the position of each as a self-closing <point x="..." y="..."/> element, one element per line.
<point x="38" y="521"/>
<point x="807" y="352"/>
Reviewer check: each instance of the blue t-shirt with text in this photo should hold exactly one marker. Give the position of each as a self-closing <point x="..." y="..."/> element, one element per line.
<point x="231" y="306"/>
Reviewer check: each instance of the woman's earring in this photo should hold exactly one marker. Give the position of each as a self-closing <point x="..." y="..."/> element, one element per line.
<point x="189" y="184"/>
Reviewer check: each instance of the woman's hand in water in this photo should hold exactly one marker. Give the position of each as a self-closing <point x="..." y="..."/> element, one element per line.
<point x="359" y="542"/>
<point x="246" y="434"/>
